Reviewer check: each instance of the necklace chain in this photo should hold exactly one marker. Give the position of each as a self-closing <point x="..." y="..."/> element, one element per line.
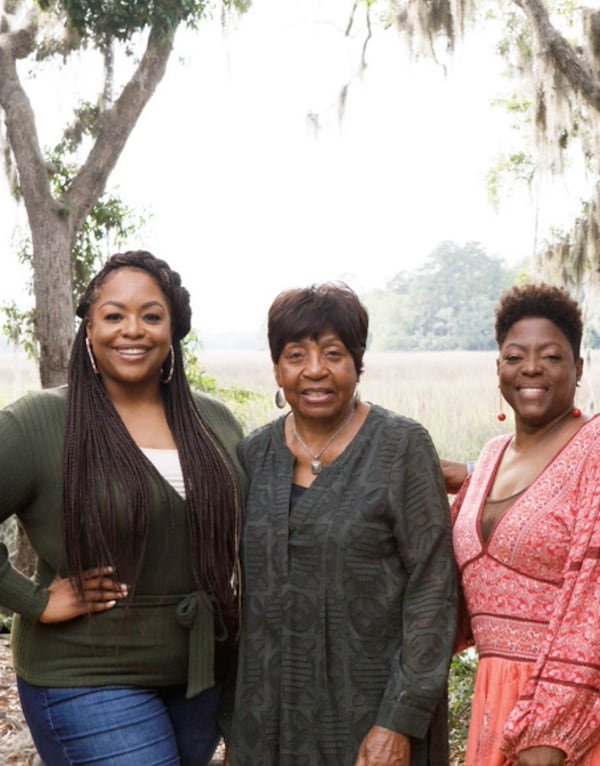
<point x="316" y="466"/>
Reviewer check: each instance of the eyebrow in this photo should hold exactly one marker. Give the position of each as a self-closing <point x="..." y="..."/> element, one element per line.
<point x="146" y="305"/>
<point x="539" y="346"/>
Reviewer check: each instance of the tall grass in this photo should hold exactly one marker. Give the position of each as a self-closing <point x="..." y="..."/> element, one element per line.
<point x="454" y="394"/>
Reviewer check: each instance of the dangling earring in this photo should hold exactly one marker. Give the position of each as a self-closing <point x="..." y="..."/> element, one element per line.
<point x="91" y="355"/>
<point x="501" y="415"/>
<point x="169" y="377"/>
<point x="280" y="399"/>
<point x="576" y="412"/>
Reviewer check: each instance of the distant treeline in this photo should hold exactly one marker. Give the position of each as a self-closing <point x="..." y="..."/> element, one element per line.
<point x="446" y="304"/>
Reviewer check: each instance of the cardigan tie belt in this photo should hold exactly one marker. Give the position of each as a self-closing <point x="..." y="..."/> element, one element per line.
<point x="196" y="611"/>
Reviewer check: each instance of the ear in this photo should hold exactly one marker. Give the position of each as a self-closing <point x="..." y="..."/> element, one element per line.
<point x="277" y="375"/>
<point x="498" y="366"/>
<point x="579" y="369"/>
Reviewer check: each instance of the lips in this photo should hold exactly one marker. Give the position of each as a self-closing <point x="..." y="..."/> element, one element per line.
<point x="132" y="352"/>
<point x="531" y="392"/>
<point x="317" y="394"/>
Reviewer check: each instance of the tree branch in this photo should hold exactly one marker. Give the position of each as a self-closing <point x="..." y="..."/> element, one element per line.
<point x="116" y="125"/>
<point x="20" y="119"/>
<point x="572" y="66"/>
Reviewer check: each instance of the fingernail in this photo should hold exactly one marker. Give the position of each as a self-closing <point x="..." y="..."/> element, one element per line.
<point x="108" y="604"/>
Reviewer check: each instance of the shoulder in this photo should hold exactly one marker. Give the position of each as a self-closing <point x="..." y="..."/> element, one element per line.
<point x="495" y="445"/>
<point x="391" y="425"/>
<point x="43" y="403"/>
<point x="260" y="439"/>
<point x="217" y="415"/>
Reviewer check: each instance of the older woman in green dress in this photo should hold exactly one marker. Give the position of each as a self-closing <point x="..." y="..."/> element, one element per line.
<point x="349" y="606"/>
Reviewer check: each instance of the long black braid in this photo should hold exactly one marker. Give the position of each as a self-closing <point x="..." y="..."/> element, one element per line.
<point x="104" y="469"/>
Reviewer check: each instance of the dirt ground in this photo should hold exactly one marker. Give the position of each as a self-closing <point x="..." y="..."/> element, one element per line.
<point x="15" y="743"/>
<point x="16" y="748"/>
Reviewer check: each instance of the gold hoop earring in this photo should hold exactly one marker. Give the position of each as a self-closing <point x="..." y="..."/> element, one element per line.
<point x="171" y="372"/>
<point x="90" y="354"/>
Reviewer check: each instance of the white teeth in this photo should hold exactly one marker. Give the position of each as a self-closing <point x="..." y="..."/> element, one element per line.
<point x="132" y="351"/>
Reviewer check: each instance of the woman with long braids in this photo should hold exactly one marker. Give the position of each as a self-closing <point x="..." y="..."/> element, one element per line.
<point x="128" y="487"/>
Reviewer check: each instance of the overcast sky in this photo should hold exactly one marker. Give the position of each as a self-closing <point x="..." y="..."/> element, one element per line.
<point x="245" y="198"/>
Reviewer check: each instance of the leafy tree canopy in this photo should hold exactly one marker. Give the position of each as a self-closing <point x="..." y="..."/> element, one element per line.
<point x="106" y="20"/>
<point x="448" y="303"/>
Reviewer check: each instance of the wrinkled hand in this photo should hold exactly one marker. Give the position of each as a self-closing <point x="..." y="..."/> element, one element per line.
<point x="101" y="592"/>
<point x="454" y="475"/>
<point x="541" y="756"/>
<point x="383" y="747"/>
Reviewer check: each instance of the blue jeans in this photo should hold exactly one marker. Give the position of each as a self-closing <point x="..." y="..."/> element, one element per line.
<point x="121" y="725"/>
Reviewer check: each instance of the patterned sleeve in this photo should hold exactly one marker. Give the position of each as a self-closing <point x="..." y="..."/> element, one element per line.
<point x="422" y="530"/>
<point x="560" y="707"/>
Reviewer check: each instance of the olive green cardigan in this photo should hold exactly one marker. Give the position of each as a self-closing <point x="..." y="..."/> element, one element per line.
<point x="166" y="636"/>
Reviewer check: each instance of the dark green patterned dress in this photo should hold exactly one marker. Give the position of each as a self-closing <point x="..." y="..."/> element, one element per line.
<point x="349" y="606"/>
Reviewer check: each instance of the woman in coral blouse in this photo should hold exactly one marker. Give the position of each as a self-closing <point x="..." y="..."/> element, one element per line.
<point x="527" y="541"/>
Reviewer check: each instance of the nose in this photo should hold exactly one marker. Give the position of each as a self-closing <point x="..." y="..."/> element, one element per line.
<point x="133" y="326"/>
<point x="314" y="367"/>
<point x="530" y="364"/>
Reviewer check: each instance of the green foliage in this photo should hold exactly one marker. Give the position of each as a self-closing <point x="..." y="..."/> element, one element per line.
<point x="460" y="693"/>
<point x="446" y="304"/>
<point x="109" y="223"/>
<point x="103" y="21"/>
<point x="241" y="401"/>
<point x="508" y="171"/>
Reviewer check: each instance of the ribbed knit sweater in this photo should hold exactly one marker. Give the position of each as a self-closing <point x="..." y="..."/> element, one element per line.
<point x="143" y="644"/>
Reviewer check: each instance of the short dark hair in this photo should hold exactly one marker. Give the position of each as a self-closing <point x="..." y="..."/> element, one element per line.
<point x="307" y="312"/>
<point x="538" y="299"/>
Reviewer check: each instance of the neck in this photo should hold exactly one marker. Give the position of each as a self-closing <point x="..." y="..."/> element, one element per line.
<point x="530" y="435"/>
<point x="320" y="428"/>
<point x="134" y="396"/>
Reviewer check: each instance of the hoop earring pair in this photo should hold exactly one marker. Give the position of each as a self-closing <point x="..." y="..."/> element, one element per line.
<point x="171" y="372"/>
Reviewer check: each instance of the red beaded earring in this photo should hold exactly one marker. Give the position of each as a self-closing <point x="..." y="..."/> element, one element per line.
<point x="576" y="412"/>
<point x="501" y="415"/>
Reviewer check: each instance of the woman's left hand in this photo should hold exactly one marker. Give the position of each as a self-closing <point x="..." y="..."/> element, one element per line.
<point x="383" y="747"/>
<point x="541" y="756"/>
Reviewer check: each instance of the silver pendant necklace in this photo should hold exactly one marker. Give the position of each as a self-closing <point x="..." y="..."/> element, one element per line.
<point x="316" y="466"/>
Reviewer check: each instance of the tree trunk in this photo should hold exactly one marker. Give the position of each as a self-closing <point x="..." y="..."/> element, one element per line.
<point x="54" y="316"/>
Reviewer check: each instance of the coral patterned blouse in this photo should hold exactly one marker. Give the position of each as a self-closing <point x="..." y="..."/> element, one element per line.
<point x="533" y="591"/>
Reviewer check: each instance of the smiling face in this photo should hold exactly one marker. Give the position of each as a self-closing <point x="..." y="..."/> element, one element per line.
<point x="318" y="377"/>
<point x="129" y="329"/>
<point x="538" y="372"/>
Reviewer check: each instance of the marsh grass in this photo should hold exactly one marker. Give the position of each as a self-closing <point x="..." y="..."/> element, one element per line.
<point x="454" y="394"/>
